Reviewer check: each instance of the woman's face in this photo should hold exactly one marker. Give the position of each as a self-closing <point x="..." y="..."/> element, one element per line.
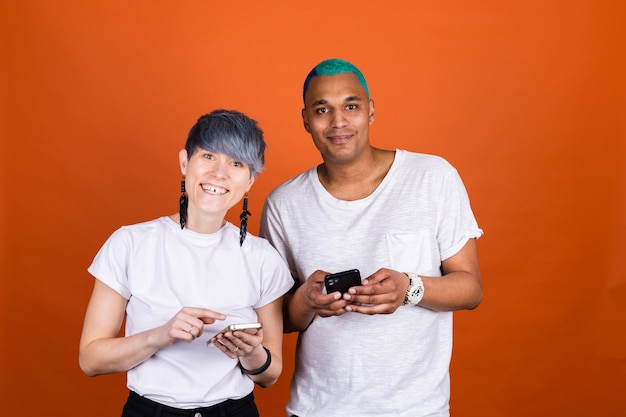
<point x="214" y="182"/>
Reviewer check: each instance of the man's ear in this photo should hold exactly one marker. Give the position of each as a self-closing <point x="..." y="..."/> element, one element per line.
<point x="182" y="160"/>
<point x="305" y="122"/>
<point x="372" y="112"/>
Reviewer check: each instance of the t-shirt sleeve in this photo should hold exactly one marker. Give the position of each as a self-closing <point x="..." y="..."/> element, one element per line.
<point x="273" y="229"/>
<point x="457" y="223"/>
<point x="275" y="277"/>
<point x="110" y="263"/>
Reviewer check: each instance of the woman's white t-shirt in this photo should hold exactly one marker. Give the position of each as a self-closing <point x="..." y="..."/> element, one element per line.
<point x="160" y="269"/>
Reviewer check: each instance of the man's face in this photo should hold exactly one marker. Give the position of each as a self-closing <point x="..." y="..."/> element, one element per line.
<point x="337" y="114"/>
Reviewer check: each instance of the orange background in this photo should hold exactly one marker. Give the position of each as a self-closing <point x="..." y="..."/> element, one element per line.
<point x="526" y="98"/>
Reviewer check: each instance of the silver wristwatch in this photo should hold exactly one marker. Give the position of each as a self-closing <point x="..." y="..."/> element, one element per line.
<point x="415" y="292"/>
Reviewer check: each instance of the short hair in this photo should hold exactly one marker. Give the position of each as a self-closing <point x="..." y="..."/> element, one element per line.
<point x="231" y="133"/>
<point x="334" y="66"/>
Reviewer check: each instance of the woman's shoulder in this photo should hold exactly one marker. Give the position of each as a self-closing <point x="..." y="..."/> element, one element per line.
<point x="135" y="231"/>
<point x="163" y="222"/>
<point x="253" y="241"/>
<point x="255" y="244"/>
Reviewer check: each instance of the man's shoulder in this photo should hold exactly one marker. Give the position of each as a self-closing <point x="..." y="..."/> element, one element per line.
<point x="424" y="158"/>
<point x="294" y="185"/>
<point x="424" y="162"/>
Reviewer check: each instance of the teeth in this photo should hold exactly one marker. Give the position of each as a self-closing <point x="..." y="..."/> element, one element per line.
<point x="213" y="189"/>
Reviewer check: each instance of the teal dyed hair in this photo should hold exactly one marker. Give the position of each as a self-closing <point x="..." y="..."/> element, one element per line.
<point x="334" y="66"/>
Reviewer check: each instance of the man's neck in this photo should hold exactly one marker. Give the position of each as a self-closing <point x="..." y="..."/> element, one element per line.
<point x="358" y="179"/>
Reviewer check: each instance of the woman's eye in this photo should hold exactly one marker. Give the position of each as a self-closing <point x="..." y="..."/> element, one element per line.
<point x="238" y="164"/>
<point x="209" y="156"/>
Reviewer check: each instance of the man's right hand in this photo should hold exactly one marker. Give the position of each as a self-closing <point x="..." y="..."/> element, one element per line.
<point x="323" y="304"/>
<point x="310" y="300"/>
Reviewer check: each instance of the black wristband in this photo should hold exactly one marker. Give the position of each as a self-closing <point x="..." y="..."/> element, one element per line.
<point x="263" y="368"/>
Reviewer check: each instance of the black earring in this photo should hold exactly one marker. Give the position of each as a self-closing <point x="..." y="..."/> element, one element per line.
<point x="244" y="220"/>
<point x="182" y="211"/>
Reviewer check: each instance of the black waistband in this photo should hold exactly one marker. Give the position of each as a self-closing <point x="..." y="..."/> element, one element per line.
<point x="154" y="408"/>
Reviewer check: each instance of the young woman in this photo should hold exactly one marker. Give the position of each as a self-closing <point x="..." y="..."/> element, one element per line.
<point x="179" y="280"/>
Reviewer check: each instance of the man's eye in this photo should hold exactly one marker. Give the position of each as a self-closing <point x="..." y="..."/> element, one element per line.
<point x="351" y="106"/>
<point x="322" y="110"/>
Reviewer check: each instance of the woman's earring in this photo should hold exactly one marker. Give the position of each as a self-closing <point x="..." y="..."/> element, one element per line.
<point x="244" y="220"/>
<point x="182" y="211"/>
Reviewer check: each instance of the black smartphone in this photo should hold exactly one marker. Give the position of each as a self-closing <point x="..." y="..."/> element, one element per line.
<point x="341" y="281"/>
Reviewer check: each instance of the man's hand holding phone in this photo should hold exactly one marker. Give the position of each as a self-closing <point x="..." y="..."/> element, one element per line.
<point x="332" y="302"/>
<point x="342" y="281"/>
<point x="382" y="293"/>
<point x="312" y="299"/>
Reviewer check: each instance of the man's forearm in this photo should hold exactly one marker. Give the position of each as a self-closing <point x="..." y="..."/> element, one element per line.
<point x="296" y="315"/>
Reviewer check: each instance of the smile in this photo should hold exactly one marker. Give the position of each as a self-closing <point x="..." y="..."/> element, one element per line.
<point x="340" y="137"/>
<point x="212" y="189"/>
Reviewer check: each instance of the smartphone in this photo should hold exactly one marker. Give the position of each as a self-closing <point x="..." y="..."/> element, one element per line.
<point x="241" y="326"/>
<point x="234" y="327"/>
<point x="341" y="281"/>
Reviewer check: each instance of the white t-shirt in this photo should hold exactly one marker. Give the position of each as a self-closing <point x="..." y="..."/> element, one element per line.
<point x="160" y="268"/>
<point x="385" y="365"/>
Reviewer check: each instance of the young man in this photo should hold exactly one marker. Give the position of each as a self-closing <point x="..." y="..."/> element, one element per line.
<point x="404" y="220"/>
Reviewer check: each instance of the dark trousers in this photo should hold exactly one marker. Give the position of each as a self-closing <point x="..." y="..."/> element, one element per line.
<point x="138" y="406"/>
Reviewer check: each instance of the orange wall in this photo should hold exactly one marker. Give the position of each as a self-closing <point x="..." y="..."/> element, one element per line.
<point x="526" y="98"/>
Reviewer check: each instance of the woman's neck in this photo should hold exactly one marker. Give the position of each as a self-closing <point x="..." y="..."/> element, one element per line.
<point x="207" y="225"/>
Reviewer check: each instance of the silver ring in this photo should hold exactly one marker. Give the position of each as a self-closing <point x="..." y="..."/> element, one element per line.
<point x="236" y="349"/>
<point x="190" y="329"/>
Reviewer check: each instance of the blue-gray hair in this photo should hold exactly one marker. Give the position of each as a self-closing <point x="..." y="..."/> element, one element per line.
<point x="231" y="133"/>
<point x="334" y="66"/>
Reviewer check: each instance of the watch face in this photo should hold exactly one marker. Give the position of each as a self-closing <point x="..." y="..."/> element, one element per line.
<point x="414" y="295"/>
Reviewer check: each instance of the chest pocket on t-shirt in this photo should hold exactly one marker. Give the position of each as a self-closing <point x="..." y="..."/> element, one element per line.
<point x="413" y="252"/>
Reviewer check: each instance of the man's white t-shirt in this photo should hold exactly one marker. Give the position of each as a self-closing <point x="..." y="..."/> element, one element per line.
<point x="385" y="365"/>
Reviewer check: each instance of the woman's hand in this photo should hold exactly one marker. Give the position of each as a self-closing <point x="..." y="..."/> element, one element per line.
<point x="187" y="325"/>
<point x="239" y="343"/>
<point x="103" y="351"/>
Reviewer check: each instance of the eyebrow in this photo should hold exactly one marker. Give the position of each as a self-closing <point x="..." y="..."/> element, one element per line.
<point x="347" y="99"/>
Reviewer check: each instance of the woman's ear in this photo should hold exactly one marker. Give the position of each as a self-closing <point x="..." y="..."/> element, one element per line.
<point x="182" y="160"/>
<point x="250" y="183"/>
